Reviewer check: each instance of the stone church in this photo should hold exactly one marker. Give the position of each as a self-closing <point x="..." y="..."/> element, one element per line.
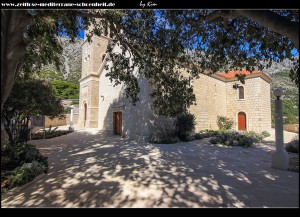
<point x="103" y="106"/>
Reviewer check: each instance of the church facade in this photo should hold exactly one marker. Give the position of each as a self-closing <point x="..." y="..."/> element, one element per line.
<point x="105" y="106"/>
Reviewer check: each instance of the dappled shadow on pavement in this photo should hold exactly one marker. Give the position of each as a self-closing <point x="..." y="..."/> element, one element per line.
<point x="88" y="169"/>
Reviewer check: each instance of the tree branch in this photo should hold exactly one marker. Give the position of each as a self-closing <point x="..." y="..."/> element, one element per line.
<point x="275" y="23"/>
<point x="265" y="18"/>
<point x="129" y="46"/>
<point x="226" y="15"/>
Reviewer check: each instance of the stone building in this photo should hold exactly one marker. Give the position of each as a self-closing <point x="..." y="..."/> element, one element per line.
<point x="105" y="106"/>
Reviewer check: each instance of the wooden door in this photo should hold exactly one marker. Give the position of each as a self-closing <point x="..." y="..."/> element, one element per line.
<point x="242" y="121"/>
<point x="118" y="123"/>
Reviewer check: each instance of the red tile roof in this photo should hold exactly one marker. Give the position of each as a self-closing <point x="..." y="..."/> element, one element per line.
<point x="231" y="74"/>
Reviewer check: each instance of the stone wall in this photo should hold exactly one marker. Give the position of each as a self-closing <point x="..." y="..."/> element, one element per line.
<point x="213" y="97"/>
<point x="136" y="120"/>
<point x="294" y="128"/>
<point x="265" y="103"/>
<point x="55" y="122"/>
<point x="210" y="102"/>
<point x="291" y="128"/>
<point x="256" y="104"/>
<point x="61" y="122"/>
<point x="92" y="54"/>
<point x="89" y="94"/>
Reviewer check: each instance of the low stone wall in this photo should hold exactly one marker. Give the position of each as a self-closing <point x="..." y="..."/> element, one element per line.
<point x="55" y="122"/>
<point x="75" y="119"/>
<point x="61" y="122"/>
<point x="290" y="127"/>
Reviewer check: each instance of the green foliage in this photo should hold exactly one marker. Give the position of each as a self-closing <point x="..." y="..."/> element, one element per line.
<point x="33" y="97"/>
<point x="28" y="99"/>
<point x="48" y="75"/>
<point x="265" y="134"/>
<point x="290" y="112"/>
<point x="13" y="156"/>
<point x="65" y="89"/>
<point x="25" y="173"/>
<point x="290" y="99"/>
<point x="234" y="138"/>
<point x="164" y="138"/>
<point x="167" y="42"/>
<point x="224" y="123"/>
<point x="185" y="126"/>
<point x="293" y="146"/>
<point x="21" y="164"/>
<point x="207" y="133"/>
<point x="160" y="55"/>
<point x="198" y="136"/>
<point x="43" y="31"/>
<point x="51" y="131"/>
<point x="67" y="110"/>
<point x="49" y="135"/>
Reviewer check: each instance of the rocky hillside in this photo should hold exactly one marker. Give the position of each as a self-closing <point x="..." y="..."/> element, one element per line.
<point x="281" y="79"/>
<point x="280" y="75"/>
<point x="70" y="68"/>
<point x="290" y="97"/>
<point x="285" y="65"/>
<point x="71" y="58"/>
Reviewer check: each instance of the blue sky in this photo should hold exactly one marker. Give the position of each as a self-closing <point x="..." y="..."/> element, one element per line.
<point x="81" y="34"/>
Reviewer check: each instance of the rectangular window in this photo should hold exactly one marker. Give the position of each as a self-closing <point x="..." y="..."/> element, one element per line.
<point x="241" y="92"/>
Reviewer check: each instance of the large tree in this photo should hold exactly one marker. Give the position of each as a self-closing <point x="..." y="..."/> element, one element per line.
<point x="159" y="43"/>
<point x="27" y="99"/>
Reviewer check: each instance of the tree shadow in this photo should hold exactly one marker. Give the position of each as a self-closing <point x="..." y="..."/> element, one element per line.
<point x="139" y="122"/>
<point x="92" y="169"/>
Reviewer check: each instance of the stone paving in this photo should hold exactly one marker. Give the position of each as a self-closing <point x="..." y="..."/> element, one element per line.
<point x="88" y="169"/>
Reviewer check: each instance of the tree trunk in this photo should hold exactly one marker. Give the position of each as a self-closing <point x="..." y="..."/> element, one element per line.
<point x="13" y="48"/>
<point x="7" y="122"/>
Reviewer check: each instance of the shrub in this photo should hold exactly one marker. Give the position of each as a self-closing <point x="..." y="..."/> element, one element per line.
<point x="198" y="136"/>
<point x="293" y="146"/>
<point x="25" y="173"/>
<point x="185" y="126"/>
<point x="234" y="138"/>
<point x="255" y="136"/>
<point x="20" y="164"/>
<point x="224" y="123"/>
<point x="215" y="140"/>
<point x="67" y="110"/>
<point x="265" y="134"/>
<point x="49" y="135"/>
<point x="207" y="133"/>
<point x="164" y="138"/>
<point x="13" y="156"/>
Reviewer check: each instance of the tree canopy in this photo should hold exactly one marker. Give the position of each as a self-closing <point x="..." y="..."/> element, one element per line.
<point x="159" y="43"/>
<point x="27" y="99"/>
<point x="65" y="89"/>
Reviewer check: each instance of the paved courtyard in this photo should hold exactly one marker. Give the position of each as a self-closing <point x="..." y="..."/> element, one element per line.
<point x="88" y="169"/>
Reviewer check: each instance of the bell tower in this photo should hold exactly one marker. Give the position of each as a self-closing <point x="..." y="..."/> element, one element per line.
<point x="93" y="54"/>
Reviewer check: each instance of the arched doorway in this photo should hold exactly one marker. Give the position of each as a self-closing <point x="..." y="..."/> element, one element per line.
<point x="85" y="114"/>
<point x="242" y="122"/>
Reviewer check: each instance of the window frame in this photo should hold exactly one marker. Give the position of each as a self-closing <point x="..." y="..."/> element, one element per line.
<point x="239" y="92"/>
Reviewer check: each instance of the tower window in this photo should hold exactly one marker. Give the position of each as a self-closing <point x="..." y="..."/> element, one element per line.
<point x="241" y="92"/>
